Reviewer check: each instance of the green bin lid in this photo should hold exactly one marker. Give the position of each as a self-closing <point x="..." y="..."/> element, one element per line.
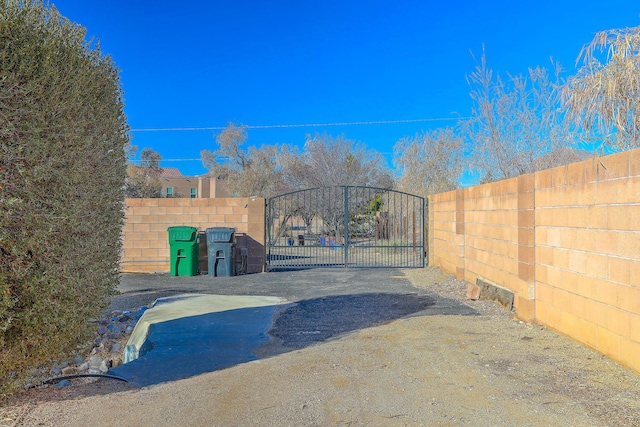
<point x="182" y="234"/>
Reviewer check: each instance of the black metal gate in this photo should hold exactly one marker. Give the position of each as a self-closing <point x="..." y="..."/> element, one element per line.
<point x="345" y="227"/>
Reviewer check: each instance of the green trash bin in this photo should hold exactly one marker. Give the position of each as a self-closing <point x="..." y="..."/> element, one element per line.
<point x="183" y="244"/>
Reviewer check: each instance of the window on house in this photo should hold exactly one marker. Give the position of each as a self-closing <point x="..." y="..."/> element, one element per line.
<point x="194" y="193"/>
<point x="169" y="191"/>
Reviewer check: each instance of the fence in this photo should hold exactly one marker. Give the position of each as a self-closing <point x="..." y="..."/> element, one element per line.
<point x="146" y="241"/>
<point x="565" y="241"/>
<point x="345" y="226"/>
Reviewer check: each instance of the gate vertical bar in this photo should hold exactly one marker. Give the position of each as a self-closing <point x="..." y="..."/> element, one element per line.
<point x="345" y="232"/>
<point x="267" y="222"/>
<point x="425" y="231"/>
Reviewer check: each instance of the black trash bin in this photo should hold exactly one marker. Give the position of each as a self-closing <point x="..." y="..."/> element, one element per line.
<point x="221" y="248"/>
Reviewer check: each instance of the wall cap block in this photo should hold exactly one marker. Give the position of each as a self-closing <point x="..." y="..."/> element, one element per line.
<point x="492" y="292"/>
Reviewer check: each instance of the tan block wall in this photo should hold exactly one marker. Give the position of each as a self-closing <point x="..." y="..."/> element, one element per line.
<point x="588" y="253"/>
<point x="146" y="240"/>
<point x="566" y="241"/>
<point x="499" y="237"/>
<point x="446" y="240"/>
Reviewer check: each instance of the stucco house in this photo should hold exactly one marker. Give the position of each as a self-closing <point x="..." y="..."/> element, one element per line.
<point x="207" y="186"/>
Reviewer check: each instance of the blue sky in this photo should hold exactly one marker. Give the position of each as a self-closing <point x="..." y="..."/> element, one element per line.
<point x="201" y="64"/>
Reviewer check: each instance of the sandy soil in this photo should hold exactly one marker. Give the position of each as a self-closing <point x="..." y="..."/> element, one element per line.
<point x="438" y="370"/>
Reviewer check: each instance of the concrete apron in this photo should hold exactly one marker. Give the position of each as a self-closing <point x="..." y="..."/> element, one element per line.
<point x="190" y="334"/>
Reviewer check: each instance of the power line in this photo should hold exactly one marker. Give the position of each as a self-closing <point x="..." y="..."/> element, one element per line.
<point x="299" y="125"/>
<point x="167" y="160"/>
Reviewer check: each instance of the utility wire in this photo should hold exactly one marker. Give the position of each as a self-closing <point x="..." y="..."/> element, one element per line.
<point x="300" y="125"/>
<point x="166" y="160"/>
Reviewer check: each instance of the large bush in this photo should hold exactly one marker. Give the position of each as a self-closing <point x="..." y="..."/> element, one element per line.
<point x="62" y="168"/>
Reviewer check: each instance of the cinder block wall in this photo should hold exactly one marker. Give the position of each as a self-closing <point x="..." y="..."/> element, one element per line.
<point x="588" y="253"/>
<point x="446" y="233"/>
<point x="566" y="241"/>
<point x="146" y="240"/>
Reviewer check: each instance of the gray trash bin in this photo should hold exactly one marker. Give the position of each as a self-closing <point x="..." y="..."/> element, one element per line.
<point x="221" y="248"/>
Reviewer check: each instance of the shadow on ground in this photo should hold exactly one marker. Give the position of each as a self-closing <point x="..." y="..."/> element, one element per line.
<point x="194" y="345"/>
<point x="320" y="319"/>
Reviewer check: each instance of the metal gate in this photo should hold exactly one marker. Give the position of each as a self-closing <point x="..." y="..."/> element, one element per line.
<point x="345" y="227"/>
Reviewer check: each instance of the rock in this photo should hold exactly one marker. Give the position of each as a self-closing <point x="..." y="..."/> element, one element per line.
<point x="94" y="361"/>
<point x="77" y="360"/>
<point x="104" y="366"/>
<point x="63" y="383"/>
<point x="117" y="361"/>
<point x="69" y="370"/>
<point x="105" y="349"/>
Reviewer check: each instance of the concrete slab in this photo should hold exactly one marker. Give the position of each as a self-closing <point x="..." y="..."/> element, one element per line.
<point x="188" y="334"/>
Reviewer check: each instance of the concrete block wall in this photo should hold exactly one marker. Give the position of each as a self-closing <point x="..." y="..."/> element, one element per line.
<point x="146" y="240"/>
<point x="498" y="240"/>
<point x="565" y="241"/>
<point x="588" y="253"/>
<point x="446" y="232"/>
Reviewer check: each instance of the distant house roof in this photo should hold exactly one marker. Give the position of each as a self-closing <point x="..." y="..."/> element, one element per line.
<point x="170" y="173"/>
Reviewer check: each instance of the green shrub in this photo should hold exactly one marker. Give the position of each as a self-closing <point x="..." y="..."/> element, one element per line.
<point x="62" y="168"/>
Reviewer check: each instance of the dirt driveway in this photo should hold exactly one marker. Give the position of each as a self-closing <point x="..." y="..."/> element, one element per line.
<point x="457" y="362"/>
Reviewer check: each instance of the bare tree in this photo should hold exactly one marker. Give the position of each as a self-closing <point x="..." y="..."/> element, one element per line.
<point x="514" y="122"/>
<point x="144" y="180"/>
<point x="327" y="162"/>
<point x="430" y="162"/>
<point x="604" y="97"/>
<point x="331" y="162"/>
<point x="229" y="142"/>
<point x="249" y="172"/>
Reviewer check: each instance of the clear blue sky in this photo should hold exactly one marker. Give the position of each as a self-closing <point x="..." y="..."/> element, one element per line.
<point x="201" y="64"/>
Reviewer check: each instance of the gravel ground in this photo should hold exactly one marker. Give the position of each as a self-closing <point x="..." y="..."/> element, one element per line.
<point x="435" y="370"/>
